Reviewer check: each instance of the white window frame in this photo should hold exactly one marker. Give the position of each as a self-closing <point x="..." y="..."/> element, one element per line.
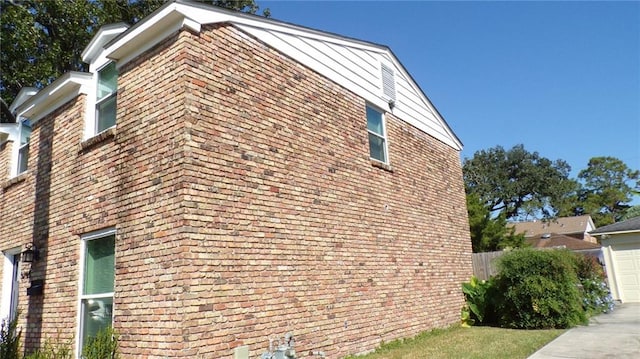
<point x="384" y="136"/>
<point x="20" y="147"/>
<point x="96" y="116"/>
<point x="10" y="283"/>
<point x="83" y="248"/>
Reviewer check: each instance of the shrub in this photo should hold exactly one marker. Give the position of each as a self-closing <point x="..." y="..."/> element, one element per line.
<point x="539" y="289"/>
<point x="53" y="350"/>
<point x="103" y="346"/>
<point x="9" y="338"/>
<point x="479" y="296"/>
<point x="596" y="295"/>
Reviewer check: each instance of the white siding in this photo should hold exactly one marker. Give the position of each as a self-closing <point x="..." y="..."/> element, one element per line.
<point x="622" y="257"/>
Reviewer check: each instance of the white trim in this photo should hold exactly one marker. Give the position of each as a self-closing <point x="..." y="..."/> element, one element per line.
<point x="104" y="35"/>
<point x="20" y="146"/>
<point x="614" y="232"/>
<point x="62" y="90"/>
<point x="98" y="234"/>
<point x="25" y="94"/>
<point x="148" y="34"/>
<point x="7" y="278"/>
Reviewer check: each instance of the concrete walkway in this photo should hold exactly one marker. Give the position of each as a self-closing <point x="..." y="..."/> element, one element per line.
<point x="613" y="335"/>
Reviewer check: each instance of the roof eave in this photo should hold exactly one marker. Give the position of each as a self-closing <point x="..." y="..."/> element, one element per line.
<point x="56" y="94"/>
<point x="104" y="35"/>
<point x="615" y="232"/>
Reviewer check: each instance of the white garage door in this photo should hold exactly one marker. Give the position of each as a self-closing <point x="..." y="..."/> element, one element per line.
<point x="627" y="263"/>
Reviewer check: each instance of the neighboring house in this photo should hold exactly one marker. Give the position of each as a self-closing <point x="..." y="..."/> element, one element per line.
<point x="576" y="227"/>
<point x="218" y="179"/>
<point x="621" y="246"/>
<point x="554" y="240"/>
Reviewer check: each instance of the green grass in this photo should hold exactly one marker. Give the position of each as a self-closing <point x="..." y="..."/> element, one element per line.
<point x="474" y="342"/>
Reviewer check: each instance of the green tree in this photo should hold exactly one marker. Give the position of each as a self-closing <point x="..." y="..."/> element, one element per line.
<point x="608" y="186"/>
<point x="632" y="212"/>
<point x="41" y="40"/>
<point x="487" y="233"/>
<point x="517" y="182"/>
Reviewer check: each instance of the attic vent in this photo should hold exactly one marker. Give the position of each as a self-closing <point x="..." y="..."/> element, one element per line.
<point x="388" y="83"/>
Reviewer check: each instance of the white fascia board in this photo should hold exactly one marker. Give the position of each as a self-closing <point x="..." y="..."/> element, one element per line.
<point x="149" y="33"/>
<point x="615" y="233"/>
<point x="206" y="14"/>
<point x="47" y="100"/>
<point x="104" y="35"/>
<point x="24" y="94"/>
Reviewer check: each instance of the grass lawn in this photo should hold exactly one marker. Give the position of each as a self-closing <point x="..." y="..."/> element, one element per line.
<point x="474" y="342"/>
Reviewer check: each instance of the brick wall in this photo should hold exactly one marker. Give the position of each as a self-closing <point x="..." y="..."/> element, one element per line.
<point x="290" y="226"/>
<point x="246" y="206"/>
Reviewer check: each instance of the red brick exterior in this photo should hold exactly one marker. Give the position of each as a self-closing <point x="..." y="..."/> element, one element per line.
<point x="246" y="206"/>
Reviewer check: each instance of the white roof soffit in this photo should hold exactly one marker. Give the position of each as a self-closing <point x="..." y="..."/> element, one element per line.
<point x="104" y="35"/>
<point x="24" y="94"/>
<point x="178" y="14"/>
<point x="47" y="100"/>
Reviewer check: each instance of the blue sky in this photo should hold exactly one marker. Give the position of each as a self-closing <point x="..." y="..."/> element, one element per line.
<point x="562" y="78"/>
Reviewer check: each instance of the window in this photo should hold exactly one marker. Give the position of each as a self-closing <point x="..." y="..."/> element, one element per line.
<point x="23" y="149"/>
<point x="106" y="97"/>
<point x="96" y="284"/>
<point x="10" y="284"/>
<point x="377" y="137"/>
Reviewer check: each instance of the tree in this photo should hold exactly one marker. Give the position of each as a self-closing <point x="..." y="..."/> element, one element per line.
<point x="42" y="40"/>
<point x="632" y="212"/>
<point x="608" y="186"/>
<point x="518" y="183"/>
<point x="487" y="233"/>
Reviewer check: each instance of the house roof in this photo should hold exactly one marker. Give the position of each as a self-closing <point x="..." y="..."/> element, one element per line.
<point x="63" y="89"/>
<point x="353" y="64"/>
<point x="562" y="225"/>
<point x="555" y="240"/>
<point x="630" y="225"/>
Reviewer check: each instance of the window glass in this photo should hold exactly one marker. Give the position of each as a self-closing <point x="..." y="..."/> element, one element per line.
<point x="107" y="81"/>
<point x="374" y="121"/>
<point x="99" y="266"/>
<point x="376" y="148"/>
<point x="23" y="152"/>
<point x="96" y="301"/>
<point x="106" y="98"/>
<point x="377" y="137"/>
<point x="106" y="113"/>
<point x="25" y="132"/>
<point x="97" y="314"/>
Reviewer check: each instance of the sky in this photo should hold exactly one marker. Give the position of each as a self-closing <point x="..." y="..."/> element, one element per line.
<point x="562" y="78"/>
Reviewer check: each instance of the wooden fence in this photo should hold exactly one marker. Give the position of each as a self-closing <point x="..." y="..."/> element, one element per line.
<point x="484" y="264"/>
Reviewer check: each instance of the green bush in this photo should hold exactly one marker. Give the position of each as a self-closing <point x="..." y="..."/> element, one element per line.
<point x="539" y="289"/>
<point x="10" y="339"/>
<point x="480" y="297"/>
<point x="596" y="295"/>
<point x="103" y="346"/>
<point x="52" y="350"/>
